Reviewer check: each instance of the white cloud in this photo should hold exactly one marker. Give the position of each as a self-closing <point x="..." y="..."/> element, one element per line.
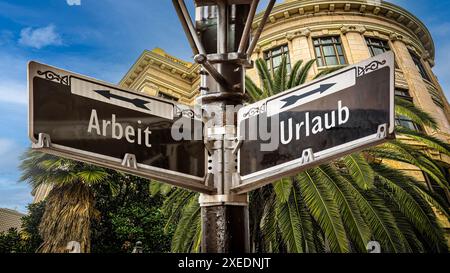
<point x="40" y="37"/>
<point x="74" y="2"/>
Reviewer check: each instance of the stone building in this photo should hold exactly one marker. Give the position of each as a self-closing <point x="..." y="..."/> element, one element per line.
<point x="335" y="33"/>
<point x="10" y="219"/>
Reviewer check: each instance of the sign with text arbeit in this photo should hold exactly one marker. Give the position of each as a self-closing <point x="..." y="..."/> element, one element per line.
<point x="88" y="120"/>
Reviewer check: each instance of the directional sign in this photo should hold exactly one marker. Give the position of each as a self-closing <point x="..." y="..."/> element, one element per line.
<point x="339" y="114"/>
<point x="88" y="120"/>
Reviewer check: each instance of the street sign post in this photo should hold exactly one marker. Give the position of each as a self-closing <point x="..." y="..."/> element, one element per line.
<point x="88" y="120"/>
<point x="212" y="152"/>
<point x="317" y="122"/>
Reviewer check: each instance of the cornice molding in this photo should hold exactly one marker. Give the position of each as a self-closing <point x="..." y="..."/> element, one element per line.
<point x="353" y="28"/>
<point x="394" y="36"/>
<point x="186" y="71"/>
<point x="305" y="32"/>
<point x="291" y="10"/>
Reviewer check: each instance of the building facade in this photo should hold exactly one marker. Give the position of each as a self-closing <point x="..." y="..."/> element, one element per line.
<point x="334" y="33"/>
<point x="10" y="219"/>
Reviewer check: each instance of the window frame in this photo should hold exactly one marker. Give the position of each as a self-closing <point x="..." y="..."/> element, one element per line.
<point x="419" y="65"/>
<point x="403" y="96"/>
<point x="336" y="41"/>
<point x="400" y="119"/>
<point x="384" y="45"/>
<point x="268" y="57"/>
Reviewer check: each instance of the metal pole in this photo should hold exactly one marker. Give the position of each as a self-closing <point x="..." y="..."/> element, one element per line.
<point x="225" y="220"/>
<point x="248" y="27"/>
<point x="263" y="22"/>
<point x="221" y="48"/>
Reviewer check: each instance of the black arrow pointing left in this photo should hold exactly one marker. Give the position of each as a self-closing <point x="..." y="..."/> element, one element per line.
<point x="136" y="102"/>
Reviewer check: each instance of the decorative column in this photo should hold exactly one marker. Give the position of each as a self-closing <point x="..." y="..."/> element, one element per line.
<point x="356" y="43"/>
<point x="429" y="63"/>
<point x="417" y="87"/>
<point x="301" y="48"/>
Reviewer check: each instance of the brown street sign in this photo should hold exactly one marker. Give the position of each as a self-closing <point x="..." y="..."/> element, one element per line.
<point x="344" y="112"/>
<point x="88" y="120"/>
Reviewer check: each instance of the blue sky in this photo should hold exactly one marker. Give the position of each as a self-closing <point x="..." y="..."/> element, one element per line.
<point x="102" y="39"/>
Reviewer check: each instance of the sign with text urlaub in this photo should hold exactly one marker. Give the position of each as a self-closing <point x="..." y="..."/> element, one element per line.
<point x="88" y="120"/>
<point x="336" y="115"/>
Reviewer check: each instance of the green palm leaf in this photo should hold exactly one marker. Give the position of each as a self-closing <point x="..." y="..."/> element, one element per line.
<point x="409" y="203"/>
<point x="378" y="217"/>
<point x="430" y="141"/>
<point x="327" y="71"/>
<point x="269" y="226"/>
<point x="303" y="73"/>
<point x="357" y="229"/>
<point x="187" y="227"/>
<point x="254" y="92"/>
<point x="294" y="73"/>
<point x="324" y="210"/>
<point x="279" y="82"/>
<point x="288" y="216"/>
<point x="408" y="109"/>
<point x="360" y="170"/>
<point x="265" y="77"/>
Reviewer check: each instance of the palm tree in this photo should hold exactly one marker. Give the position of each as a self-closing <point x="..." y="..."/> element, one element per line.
<point x="70" y="204"/>
<point x="340" y="206"/>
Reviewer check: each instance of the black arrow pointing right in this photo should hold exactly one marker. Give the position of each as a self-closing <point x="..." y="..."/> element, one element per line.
<point x="293" y="99"/>
<point x="136" y="102"/>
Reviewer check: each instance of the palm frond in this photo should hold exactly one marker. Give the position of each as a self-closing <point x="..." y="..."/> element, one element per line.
<point x="408" y="109"/>
<point x="288" y="216"/>
<point x="254" y="91"/>
<point x="409" y="203"/>
<point x="357" y="229"/>
<point x="377" y="216"/>
<point x="265" y="77"/>
<point x="428" y="140"/>
<point x="294" y="73"/>
<point x="360" y="170"/>
<point x="268" y="224"/>
<point x="187" y="228"/>
<point x="396" y="150"/>
<point x="303" y="73"/>
<point x="327" y="71"/>
<point x="324" y="210"/>
<point x="280" y="77"/>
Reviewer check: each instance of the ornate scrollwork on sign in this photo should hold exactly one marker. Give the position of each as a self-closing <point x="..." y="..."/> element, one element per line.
<point x="370" y="67"/>
<point x="187" y="113"/>
<point x="52" y="76"/>
<point x="255" y="111"/>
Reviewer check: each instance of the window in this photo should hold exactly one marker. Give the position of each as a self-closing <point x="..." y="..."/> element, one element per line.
<point x="274" y="57"/>
<point x="377" y="46"/>
<point x="407" y="123"/>
<point x="419" y="66"/>
<point x="166" y="96"/>
<point x="403" y="93"/>
<point x="403" y="120"/>
<point x="329" y="51"/>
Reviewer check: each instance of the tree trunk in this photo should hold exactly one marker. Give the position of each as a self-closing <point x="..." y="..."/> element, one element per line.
<point x="67" y="218"/>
